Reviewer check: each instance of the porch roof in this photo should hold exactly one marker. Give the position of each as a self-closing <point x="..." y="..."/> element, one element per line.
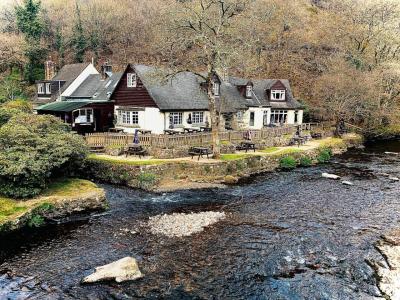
<point x="62" y="106"/>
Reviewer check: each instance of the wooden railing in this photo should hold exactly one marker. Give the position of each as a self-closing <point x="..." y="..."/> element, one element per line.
<point x="105" y="139"/>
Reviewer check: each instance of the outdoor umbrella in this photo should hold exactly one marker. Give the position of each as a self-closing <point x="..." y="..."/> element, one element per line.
<point x="136" y="137"/>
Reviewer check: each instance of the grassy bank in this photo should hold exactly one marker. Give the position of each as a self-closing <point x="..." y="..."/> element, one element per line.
<point x="61" y="198"/>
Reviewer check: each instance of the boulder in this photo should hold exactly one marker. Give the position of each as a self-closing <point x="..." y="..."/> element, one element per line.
<point x="394" y="178"/>
<point x="330" y="176"/>
<point x="347" y="183"/>
<point x="121" y="270"/>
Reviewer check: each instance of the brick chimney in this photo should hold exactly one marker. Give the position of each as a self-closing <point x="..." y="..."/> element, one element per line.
<point x="106" y="70"/>
<point x="49" y="70"/>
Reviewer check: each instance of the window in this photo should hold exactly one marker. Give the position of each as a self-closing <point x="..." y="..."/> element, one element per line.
<point x="216" y="88"/>
<point x="131" y="80"/>
<point x="239" y="115"/>
<point x="265" y="118"/>
<point x="277" y="95"/>
<point x="278" y="116"/>
<point x="40" y="88"/>
<point x="252" y="115"/>
<point x="296" y="117"/>
<point x="198" y="117"/>
<point x="84" y="115"/>
<point x="175" y="118"/>
<point x="126" y="117"/>
<point x="249" y="91"/>
<point x="48" y="88"/>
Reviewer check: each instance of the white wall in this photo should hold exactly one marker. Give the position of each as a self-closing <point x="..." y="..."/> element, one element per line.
<point x="258" y="117"/>
<point x="89" y="70"/>
<point x="150" y="119"/>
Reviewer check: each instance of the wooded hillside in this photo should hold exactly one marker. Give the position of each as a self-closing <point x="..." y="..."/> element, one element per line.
<point x="341" y="56"/>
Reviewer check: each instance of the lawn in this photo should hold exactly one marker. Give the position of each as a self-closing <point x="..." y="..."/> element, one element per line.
<point x="234" y="156"/>
<point x="270" y="150"/>
<point x="11" y="209"/>
<point x="142" y="162"/>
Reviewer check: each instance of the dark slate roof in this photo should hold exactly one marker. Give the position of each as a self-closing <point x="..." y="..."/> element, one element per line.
<point x="183" y="91"/>
<point x="179" y="92"/>
<point x="95" y="88"/>
<point x="69" y="73"/>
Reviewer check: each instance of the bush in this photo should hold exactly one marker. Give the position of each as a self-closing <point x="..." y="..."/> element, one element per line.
<point x="33" y="149"/>
<point x="305" y="161"/>
<point x="146" y="180"/>
<point x="288" y="162"/>
<point x="324" y="155"/>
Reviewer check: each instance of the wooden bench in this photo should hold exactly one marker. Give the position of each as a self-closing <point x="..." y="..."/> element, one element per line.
<point x="199" y="151"/>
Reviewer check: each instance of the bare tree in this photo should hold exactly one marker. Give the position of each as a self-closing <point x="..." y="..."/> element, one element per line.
<point x="205" y="35"/>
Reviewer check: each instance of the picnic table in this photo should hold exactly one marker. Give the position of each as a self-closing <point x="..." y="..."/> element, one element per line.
<point x="299" y="140"/>
<point x="117" y="130"/>
<point x="199" y="151"/>
<point x="143" y="131"/>
<point x="316" y="135"/>
<point x="135" y="149"/>
<point x="205" y="129"/>
<point x="246" y="145"/>
<point x="191" y="130"/>
<point x="172" y="131"/>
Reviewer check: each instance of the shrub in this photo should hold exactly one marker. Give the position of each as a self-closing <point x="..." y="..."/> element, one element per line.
<point x="146" y="180"/>
<point x="288" y="162"/>
<point x="305" y="161"/>
<point x="33" y="149"/>
<point x="324" y="155"/>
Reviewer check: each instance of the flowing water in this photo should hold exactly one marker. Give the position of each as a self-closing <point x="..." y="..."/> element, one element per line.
<point x="289" y="235"/>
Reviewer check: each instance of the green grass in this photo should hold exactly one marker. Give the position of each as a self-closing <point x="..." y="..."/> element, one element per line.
<point x="11" y="209"/>
<point x="332" y="143"/>
<point x="270" y="150"/>
<point x="234" y="156"/>
<point x="287" y="151"/>
<point x="143" y="162"/>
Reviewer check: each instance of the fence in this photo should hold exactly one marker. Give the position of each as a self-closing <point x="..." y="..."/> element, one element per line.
<point x="193" y="139"/>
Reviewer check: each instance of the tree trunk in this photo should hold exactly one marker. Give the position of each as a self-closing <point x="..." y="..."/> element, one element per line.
<point x="214" y="116"/>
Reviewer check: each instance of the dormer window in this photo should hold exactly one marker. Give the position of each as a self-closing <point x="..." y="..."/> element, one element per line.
<point x="216" y="88"/>
<point x="131" y="80"/>
<point x="40" y="88"/>
<point x="249" y="91"/>
<point x="278" y="95"/>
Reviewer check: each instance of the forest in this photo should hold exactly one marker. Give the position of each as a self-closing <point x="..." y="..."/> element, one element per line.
<point x="342" y="57"/>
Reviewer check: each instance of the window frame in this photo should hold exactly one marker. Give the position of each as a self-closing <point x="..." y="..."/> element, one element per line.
<point x="282" y="94"/>
<point x="279" y="115"/>
<point x="128" y="117"/>
<point x="216" y="88"/>
<point x="84" y="112"/>
<point x="252" y="119"/>
<point x="48" y="88"/>
<point x="40" y="88"/>
<point x="176" y="116"/>
<point x="131" y="80"/>
<point x="198" y="117"/>
<point x="249" y="91"/>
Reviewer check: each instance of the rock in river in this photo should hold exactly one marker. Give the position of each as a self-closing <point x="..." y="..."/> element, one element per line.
<point x="330" y="176"/>
<point x="121" y="270"/>
<point x="347" y="182"/>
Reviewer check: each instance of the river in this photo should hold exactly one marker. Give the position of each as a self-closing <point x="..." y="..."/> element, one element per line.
<point x="288" y="235"/>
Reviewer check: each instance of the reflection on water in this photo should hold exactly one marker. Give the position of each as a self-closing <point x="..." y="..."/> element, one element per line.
<point x="290" y="235"/>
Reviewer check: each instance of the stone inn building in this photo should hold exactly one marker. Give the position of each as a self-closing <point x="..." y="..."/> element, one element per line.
<point x="145" y="97"/>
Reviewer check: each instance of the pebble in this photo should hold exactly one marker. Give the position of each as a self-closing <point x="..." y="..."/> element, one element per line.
<point x="347" y="183"/>
<point x="180" y="224"/>
<point x="330" y="176"/>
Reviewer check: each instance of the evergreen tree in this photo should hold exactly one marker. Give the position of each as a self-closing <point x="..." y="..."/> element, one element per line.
<point x="31" y="25"/>
<point x="79" y="39"/>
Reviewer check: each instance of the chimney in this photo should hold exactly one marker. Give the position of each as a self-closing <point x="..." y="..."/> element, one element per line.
<point x="106" y="70"/>
<point x="49" y="70"/>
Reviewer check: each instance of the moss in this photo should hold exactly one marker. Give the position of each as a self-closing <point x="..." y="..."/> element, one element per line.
<point x="11" y="209"/>
<point x="207" y="169"/>
<point x="124" y="161"/>
<point x="332" y="143"/>
<point x="36" y="220"/>
<point x="270" y="150"/>
<point x="288" y="162"/>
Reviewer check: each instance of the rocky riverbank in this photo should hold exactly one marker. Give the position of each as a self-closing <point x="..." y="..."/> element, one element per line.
<point x="62" y="199"/>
